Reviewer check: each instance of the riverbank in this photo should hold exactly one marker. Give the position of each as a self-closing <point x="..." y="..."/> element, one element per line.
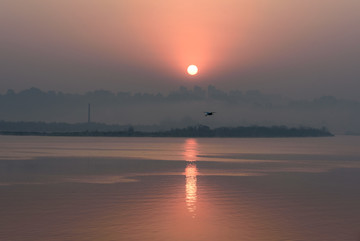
<point x="193" y="131"/>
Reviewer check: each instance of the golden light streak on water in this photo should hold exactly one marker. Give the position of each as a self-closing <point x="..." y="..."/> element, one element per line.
<point x="190" y="153"/>
<point x="191" y="188"/>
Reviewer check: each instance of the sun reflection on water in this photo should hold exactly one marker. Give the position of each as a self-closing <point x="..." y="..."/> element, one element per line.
<point x="191" y="171"/>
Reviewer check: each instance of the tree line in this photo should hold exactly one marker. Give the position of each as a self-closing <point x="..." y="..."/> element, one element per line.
<point x="194" y="131"/>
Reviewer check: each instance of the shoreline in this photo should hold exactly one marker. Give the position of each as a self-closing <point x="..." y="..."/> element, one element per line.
<point x="198" y="132"/>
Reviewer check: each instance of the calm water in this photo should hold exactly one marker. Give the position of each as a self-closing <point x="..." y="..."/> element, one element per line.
<point x="161" y="189"/>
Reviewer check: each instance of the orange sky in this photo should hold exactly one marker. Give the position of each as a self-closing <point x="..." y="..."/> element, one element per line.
<point x="151" y="43"/>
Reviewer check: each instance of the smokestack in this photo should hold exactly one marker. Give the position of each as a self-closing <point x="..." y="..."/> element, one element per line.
<point x="89" y="113"/>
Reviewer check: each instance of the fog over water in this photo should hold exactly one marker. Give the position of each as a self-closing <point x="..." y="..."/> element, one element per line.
<point x="180" y="108"/>
<point x="260" y="62"/>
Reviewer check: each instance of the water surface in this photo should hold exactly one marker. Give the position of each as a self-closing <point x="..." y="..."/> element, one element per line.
<point x="74" y="188"/>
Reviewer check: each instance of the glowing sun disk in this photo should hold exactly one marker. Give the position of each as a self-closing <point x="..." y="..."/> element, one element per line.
<point x="192" y="69"/>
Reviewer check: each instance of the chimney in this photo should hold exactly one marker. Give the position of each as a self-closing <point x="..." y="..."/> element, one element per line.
<point x="89" y="120"/>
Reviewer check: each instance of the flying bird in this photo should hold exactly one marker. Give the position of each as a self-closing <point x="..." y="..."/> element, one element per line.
<point x="209" y="113"/>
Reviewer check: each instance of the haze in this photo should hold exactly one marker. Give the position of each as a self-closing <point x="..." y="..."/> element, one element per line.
<point x="296" y="48"/>
<point x="181" y="108"/>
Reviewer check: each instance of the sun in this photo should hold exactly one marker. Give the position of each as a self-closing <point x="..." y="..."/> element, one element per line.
<point x="192" y="69"/>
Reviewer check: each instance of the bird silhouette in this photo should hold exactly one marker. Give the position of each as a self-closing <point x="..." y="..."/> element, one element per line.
<point x="209" y="113"/>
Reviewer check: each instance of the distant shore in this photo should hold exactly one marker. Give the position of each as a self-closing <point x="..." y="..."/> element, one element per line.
<point x="191" y="131"/>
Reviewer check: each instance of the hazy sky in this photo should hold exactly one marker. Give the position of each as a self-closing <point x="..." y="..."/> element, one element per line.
<point x="298" y="47"/>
